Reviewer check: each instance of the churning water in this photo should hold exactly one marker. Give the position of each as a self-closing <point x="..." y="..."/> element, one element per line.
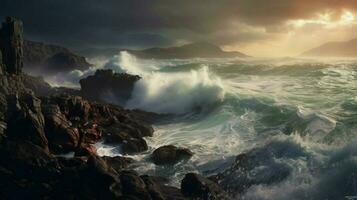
<point x="305" y="111"/>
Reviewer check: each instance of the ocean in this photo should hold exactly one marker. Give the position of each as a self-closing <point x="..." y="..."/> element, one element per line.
<point x="301" y="114"/>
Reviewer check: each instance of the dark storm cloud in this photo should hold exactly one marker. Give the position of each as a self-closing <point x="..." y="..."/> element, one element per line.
<point x="143" y="23"/>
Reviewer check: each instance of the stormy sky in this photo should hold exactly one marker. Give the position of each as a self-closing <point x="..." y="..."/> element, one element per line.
<point x="255" y="27"/>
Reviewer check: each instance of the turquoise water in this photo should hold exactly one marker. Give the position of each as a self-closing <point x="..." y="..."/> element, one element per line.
<point x="221" y="108"/>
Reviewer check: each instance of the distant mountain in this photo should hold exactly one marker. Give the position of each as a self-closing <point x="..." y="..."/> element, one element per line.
<point x="334" y="49"/>
<point x="41" y="57"/>
<point x="194" y="50"/>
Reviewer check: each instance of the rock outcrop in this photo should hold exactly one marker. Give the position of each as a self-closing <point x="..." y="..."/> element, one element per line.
<point x="51" y="59"/>
<point x="259" y="166"/>
<point x="110" y="86"/>
<point x="169" y="155"/>
<point x="196" y="186"/>
<point x="36" y="131"/>
<point x="11" y="45"/>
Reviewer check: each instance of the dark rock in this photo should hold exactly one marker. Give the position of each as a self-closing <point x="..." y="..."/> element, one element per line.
<point x="11" y="45"/>
<point x="86" y="150"/>
<point x="259" y="166"/>
<point x="134" y="145"/>
<point x="90" y="133"/>
<point x="25" y="120"/>
<point x="3" y="127"/>
<point x="110" y="87"/>
<point x="169" y="155"/>
<point x="97" y="181"/>
<point x="62" y="137"/>
<point x="118" y="163"/>
<point x="66" y="62"/>
<point x="2" y="67"/>
<point x="75" y="108"/>
<point x="52" y="59"/>
<point x="133" y="185"/>
<point x="37" y="84"/>
<point x="198" y="187"/>
<point x="152" y="188"/>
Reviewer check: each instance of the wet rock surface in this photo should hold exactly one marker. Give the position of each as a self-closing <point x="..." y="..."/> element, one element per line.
<point x="196" y="186"/>
<point x="36" y="131"/>
<point x="110" y="86"/>
<point x="170" y="155"/>
<point x="258" y="166"/>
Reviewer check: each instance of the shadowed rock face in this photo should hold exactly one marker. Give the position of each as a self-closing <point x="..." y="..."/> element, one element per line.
<point x="196" y="186"/>
<point x="109" y="86"/>
<point x="11" y="45"/>
<point x="35" y="131"/>
<point x="170" y="155"/>
<point x="51" y="59"/>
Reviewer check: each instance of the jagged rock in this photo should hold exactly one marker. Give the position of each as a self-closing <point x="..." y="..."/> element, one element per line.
<point x="66" y="62"/>
<point x="37" y="84"/>
<point x="74" y="107"/>
<point x="25" y="120"/>
<point x="152" y="188"/>
<point x="134" y="145"/>
<point x="196" y="186"/>
<point x="61" y="135"/>
<point x="90" y="133"/>
<point x="51" y="59"/>
<point x="169" y="155"/>
<point x="117" y="162"/>
<point x="11" y="45"/>
<point x="92" y="181"/>
<point x="133" y="185"/>
<point x="110" y="87"/>
<point x="258" y="166"/>
<point x="86" y="150"/>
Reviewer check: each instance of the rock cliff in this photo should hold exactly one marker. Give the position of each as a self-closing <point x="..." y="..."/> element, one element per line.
<point x="35" y="132"/>
<point x="11" y="45"/>
<point x="51" y="59"/>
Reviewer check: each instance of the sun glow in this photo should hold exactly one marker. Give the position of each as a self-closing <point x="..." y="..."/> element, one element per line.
<point x="346" y="18"/>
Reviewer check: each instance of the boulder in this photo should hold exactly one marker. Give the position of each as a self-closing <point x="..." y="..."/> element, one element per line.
<point x="62" y="137"/>
<point x="118" y="163"/>
<point x="169" y="155"/>
<point x="259" y="166"/>
<point x="110" y="87"/>
<point x="133" y="186"/>
<point x="152" y="187"/>
<point x="196" y="186"/>
<point x="25" y="120"/>
<point x="134" y="145"/>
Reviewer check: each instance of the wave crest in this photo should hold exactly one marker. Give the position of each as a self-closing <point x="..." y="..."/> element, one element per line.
<point x="177" y="93"/>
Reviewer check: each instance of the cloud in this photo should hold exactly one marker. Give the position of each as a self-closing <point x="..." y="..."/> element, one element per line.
<point x="144" y="23"/>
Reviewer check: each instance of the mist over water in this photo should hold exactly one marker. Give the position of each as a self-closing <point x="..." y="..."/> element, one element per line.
<point x="299" y="116"/>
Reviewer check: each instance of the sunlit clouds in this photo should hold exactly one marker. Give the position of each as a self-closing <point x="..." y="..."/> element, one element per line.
<point x="346" y="18"/>
<point x="255" y="27"/>
<point x="298" y="35"/>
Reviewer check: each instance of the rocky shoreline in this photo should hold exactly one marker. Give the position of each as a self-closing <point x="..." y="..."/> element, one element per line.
<point x="38" y="124"/>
